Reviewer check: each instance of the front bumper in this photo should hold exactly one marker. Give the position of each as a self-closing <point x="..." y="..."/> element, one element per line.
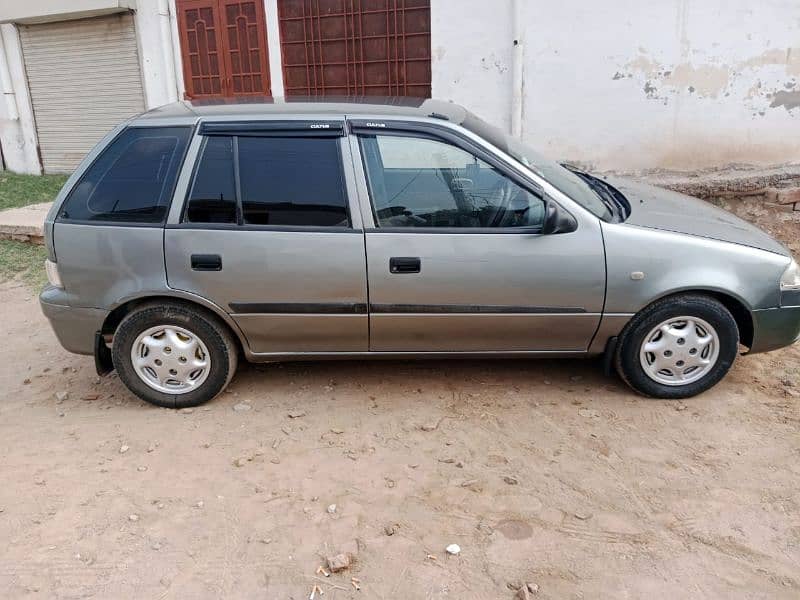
<point x="775" y="328"/>
<point x="74" y="326"/>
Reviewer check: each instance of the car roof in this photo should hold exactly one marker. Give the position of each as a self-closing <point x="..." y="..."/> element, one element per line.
<point x="260" y="107"/>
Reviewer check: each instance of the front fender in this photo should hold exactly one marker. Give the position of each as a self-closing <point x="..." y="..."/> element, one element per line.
<point x="647" y="264"/>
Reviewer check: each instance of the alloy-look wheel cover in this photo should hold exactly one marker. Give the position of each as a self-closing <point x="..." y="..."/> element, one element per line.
<point x="679" y="351"/>
<point x="170" y="359"/>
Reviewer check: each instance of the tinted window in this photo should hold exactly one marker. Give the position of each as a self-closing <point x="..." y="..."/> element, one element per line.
<point x="282" y="181"/>
<point x="213" y="195"/>
<point x="565" y="180"/>
<point x="420" y="182"/>
<point x="132" y="180"/>
<point x="291" y="181"/>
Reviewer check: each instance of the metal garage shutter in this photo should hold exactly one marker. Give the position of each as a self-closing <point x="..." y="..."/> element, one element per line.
<point x="84" y="79"/>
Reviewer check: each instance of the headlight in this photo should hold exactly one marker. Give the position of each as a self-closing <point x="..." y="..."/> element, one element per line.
<point x="791" y="277"/>
<point x="53" y="277"/>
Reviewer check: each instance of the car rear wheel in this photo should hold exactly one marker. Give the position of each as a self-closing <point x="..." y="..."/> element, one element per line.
<point x="173" y="355"/>
<point x="678" y="347"/>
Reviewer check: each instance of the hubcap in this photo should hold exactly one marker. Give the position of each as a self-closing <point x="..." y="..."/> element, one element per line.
<point x="170" y="359"/>
<point x="679" y="351"/>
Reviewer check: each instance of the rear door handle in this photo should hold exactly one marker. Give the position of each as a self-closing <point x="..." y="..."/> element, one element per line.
<point x="404" y="264"/>
<point x="206" y="262"/>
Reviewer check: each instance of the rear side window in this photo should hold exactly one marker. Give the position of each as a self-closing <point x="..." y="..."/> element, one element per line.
<point x="132" y="180"/>
<point x="213" y="195"/>
<point x="282" y="181"/>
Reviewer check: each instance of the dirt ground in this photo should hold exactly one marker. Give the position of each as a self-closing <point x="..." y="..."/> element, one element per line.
<point x="541" y="471"/>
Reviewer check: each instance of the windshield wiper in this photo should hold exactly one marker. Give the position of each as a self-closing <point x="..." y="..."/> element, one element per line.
<point x="604" y="191"/>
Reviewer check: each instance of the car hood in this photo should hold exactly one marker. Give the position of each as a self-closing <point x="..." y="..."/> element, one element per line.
<point x="658" y="208"/>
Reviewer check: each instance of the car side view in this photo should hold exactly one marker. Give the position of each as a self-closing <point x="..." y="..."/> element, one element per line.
<point x="197" y="234"/>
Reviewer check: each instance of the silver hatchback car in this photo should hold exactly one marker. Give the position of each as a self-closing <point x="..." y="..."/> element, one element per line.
<point x="199" y="233"/>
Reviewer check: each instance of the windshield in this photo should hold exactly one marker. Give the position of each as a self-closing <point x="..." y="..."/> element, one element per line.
<point x="561" y="178"/>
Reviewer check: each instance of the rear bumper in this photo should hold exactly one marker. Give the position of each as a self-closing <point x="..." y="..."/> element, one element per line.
<point x="74" y="327"/>
<point x="775" y="328"/>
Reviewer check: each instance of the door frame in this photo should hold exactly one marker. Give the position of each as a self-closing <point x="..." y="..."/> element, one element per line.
<point x="290" y="316"/>
<point x="465" y="140"/>
<point x="449" y="133"/>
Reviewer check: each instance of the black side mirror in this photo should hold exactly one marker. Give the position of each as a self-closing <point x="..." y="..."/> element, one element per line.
<point x="557" y="220"/>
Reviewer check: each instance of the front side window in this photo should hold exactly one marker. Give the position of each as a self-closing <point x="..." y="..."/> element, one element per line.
<point x="282" y="181"/>
<point x="422" y="182"/>
<point x="133" y="178"/>
<point x="562" y="178"/>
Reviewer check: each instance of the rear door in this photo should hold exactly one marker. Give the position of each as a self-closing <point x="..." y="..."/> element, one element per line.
<point x="266" y="233"/>
<point x="456" y="257"/>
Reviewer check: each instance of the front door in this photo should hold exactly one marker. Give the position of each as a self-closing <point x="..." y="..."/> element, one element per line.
<point x="266" y="234"/>
<point x="223" y="48"/>
<point x="456" y="258"/>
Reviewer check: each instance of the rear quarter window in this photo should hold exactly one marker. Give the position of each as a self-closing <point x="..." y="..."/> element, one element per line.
<point x="132" y="180"/>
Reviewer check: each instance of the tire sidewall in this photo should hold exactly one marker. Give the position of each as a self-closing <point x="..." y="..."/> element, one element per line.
<point x="140" y="320"/>
<point x="708" y="309"/>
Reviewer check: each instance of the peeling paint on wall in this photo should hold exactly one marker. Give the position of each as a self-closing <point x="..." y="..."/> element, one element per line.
<point x="679" y="83"/>
<point x="708" y="80"/>
<point x="777" y="56"/>
<point x="779" y="69"/>
<point x="787" y="100"/>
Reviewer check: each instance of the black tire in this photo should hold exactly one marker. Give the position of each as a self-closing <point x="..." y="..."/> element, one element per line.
<point x="215" y="335"/>
<point x="627" y="361"/>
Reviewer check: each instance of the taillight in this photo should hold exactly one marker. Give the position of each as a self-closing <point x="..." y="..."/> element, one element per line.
<point x="53" y="277"/>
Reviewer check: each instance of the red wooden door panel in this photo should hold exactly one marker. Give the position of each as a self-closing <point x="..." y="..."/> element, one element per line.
<point x="356" y="47"/>
<point x="245" y="40"/>
<point x="198" y="24"/>
<point x="223" y="47"/>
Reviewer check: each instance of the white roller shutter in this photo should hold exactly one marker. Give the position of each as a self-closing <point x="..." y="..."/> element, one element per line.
<point x="84" y="79"/>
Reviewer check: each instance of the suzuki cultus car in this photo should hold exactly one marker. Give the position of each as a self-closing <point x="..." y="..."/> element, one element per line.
<point x="196" y="235"/>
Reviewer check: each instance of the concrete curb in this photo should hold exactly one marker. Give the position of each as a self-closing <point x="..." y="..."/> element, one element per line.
<point x="25" y="224"/>
<point x="777" y="184"/>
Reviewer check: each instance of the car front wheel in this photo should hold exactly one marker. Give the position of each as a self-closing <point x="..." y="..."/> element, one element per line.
<point x="678" y="347"/>
<point x="173" y="355"/>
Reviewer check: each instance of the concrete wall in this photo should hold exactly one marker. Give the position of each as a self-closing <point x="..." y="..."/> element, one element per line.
<point x="626" y="84"/>
<point x="17" y="128"/>
<point x="618" y="84"/>
<point x="154" y="34"/>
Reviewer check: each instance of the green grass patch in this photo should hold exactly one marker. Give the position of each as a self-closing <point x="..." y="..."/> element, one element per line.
<point x="20" y="190"/>
<point x="24" y="261"/>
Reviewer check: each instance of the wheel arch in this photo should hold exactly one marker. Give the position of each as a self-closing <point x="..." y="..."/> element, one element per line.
<point x="735" y="305"/>
<point x="125" y="307"/>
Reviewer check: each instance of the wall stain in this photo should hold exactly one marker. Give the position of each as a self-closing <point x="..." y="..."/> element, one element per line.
<point x="714" y="80"/>
<point x="790" y="57"/>
<point x="492" y="62"/>
<point x="788" y="100"/>
<point x="708" y="80"/>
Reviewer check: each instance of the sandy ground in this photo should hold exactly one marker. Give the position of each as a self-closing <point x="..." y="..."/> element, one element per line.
<point x="541" y="471"/>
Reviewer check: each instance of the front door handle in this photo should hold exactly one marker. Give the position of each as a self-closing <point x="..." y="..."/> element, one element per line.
<point x="206" y="262"/>
<point x="404" y="264"/>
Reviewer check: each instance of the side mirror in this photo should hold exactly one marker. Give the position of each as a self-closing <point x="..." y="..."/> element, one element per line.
<point x="557" y="220"/>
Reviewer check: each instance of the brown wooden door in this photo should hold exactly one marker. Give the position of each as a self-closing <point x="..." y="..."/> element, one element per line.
<point x="356" y="47"/>
<point x="223" y="48"/>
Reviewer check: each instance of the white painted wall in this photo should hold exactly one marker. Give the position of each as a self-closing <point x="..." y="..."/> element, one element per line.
<point x="154" y="31"/>
<point x="626" y="84"/>
<point x="274" y="47"/>
<point x="17" y="128"/>
<point x="617" y="84"/>
<point x="471" y="56"/>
